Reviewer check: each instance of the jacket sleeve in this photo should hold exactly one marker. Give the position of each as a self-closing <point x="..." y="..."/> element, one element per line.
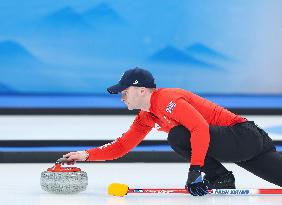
<point x="184" y="113"/>
<point x="122" y="145"/>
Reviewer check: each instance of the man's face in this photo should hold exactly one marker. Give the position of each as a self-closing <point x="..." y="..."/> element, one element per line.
<point x="132" y="97"/>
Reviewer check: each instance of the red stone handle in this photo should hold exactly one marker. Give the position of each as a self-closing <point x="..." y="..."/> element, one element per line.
<point x="58" y="168"/>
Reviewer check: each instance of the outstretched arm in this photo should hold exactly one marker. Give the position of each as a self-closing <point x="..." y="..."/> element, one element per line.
<point x="118" y="148"/>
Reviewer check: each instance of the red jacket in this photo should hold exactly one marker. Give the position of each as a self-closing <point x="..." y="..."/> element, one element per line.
<point x="171" y="107"/>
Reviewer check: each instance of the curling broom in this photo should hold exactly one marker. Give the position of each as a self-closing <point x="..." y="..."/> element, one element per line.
<point x="117" y="189"/>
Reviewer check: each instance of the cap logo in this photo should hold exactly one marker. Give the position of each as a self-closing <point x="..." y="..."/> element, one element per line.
<point x="135" y="82"/>
<point x="121" y="77"/>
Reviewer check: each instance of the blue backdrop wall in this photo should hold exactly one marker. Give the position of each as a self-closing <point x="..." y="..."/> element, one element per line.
<point x="71" y="47"/>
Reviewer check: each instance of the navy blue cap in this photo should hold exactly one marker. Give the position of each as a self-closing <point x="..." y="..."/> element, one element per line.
<point x="133" y="77"/>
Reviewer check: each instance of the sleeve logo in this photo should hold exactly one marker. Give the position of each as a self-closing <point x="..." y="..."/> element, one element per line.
<point x="106" y="145"/>
<point x="170" y="107"/>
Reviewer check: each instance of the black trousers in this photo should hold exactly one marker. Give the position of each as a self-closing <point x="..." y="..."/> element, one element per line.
<point x="245" y="144"/>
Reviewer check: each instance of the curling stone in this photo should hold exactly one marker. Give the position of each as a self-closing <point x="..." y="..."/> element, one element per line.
<point x="63" y="180"/>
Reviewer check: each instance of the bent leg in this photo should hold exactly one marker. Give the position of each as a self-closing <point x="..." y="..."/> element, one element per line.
<point x="179" y="140"/>
<point x="252" y="149"/>
<point x="267" y="166"/>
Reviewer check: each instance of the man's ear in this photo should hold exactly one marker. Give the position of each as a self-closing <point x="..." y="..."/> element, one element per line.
<point x="142" y="90"/>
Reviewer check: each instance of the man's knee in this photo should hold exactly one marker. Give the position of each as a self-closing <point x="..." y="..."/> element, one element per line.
<point x="179" y="135"/>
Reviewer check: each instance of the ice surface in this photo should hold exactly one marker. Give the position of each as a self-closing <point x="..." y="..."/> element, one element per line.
<point x="20" y="184"/>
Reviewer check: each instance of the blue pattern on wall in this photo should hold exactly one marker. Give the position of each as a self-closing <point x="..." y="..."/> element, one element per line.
<point x="83" y="47"/>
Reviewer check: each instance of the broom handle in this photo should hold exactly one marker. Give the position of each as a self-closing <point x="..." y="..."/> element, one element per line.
<point x="212" y="191"/>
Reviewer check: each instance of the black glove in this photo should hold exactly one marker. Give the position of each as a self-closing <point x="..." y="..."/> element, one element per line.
<point x="194" y="184"/>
